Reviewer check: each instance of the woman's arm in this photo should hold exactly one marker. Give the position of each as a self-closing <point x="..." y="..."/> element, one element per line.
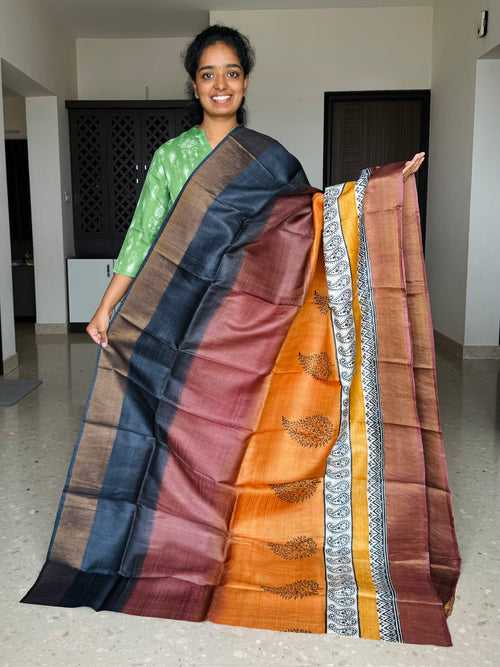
<point x="146" y="221"/>
<point x="152" y="205"/>
<point x="98" y="326"/>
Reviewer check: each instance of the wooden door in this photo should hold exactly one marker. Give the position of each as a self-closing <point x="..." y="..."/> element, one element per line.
<point x="365" y="129"/>
<point x="124" y="174"/>
<point x="88" y="136"/>
<point x="157" y="126"/>
<point x="183" y="119"/>
<point x="18" y="196"/>
<point x="112" y="144"/>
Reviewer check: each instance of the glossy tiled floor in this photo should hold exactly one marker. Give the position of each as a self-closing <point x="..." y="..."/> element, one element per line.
<point x="36" y="439"/>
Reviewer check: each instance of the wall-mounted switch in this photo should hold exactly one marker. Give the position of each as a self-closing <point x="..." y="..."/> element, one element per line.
<point x="482" y="29"/>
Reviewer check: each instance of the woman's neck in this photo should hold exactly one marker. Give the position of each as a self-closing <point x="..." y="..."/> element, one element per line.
<point x="217" y="128"/>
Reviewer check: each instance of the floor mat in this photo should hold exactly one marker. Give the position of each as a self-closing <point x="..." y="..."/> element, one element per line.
<point x="12" y="391"/>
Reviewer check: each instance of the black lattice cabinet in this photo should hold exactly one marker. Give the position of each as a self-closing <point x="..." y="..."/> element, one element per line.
<point x="112" y="144"/>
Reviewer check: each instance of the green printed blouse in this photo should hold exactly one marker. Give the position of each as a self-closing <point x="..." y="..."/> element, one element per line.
<point x="172" y="164"/>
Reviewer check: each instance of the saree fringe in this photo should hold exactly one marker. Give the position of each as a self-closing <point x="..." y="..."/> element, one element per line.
<point x="261" y="443"/>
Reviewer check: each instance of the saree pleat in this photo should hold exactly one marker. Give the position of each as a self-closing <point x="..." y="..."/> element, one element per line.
<point x="261" y="442"/>
<point x="443" y="548"/>
<point x="391" y="231"/>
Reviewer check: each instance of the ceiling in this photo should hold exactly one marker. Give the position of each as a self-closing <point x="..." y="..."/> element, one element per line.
<point x="175" y="18"/>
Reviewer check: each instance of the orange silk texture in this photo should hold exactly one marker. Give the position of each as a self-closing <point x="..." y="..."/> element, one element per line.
<point x="277" y="528"/>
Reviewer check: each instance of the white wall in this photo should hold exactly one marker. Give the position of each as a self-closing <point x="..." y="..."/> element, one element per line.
<point x="303" y="53"/>
<point x="45" y="183"/>
<point x="483" y="270"/>
<point x="34" y="45"/>
<point x="32" y="40"/>
<point x="337" y="49"/>
<point x="455" y="52"/>
<point x="6" y="296"/>
<point x="115" y="69"/>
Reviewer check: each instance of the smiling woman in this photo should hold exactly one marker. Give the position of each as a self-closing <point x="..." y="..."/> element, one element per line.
<point x="218" y="62"/>
<point x="261" y="443"/>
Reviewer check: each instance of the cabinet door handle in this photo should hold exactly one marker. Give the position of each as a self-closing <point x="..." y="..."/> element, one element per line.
<point x="108" y="272"/>
<point x="137" y="167"/>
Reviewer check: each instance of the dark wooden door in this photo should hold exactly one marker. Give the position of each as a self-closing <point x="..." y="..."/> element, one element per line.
<point x="183" y="119"/>
<point x="157" y="126"/>
<point x="112" y="144"/>
<point x="89" y="133"/>
<point x="123" y="174"/>
<point x="18" y="196"/>
<point x="366" y="129"/>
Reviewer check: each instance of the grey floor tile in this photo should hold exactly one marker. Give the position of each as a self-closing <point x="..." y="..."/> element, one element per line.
<point x="36" y="440"/>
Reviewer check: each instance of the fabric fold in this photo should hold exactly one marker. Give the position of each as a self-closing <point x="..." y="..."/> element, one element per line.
<point x="261" y="443"/>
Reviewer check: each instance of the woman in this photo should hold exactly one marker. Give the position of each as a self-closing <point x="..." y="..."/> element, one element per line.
<point x="218" y="61"/>
<point x="274" y="346"/>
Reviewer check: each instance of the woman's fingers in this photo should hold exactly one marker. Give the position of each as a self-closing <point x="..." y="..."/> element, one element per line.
<point x="98" y="326"/>
<point x="93" y="333"/>
<point x="413" y="165"/>
<point x="99" y="336"/>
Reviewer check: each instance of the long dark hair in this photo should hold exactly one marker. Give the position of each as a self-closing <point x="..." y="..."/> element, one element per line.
<point x="191" y="57"/>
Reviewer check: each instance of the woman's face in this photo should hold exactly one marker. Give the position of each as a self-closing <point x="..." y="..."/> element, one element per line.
<point x="220" y="81"/>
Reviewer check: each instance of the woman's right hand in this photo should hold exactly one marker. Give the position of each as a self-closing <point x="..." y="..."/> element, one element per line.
<point x="98" y="326"/>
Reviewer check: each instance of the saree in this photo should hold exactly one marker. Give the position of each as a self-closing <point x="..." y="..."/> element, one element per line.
<point x="261" y="443"/>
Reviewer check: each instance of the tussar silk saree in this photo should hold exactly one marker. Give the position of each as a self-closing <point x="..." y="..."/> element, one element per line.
<point x="261" y="443"/>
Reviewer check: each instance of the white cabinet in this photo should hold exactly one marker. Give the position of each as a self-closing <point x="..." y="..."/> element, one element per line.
<point x="87" y="282"/>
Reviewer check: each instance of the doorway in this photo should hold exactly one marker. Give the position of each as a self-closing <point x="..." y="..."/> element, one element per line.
<point x="368" y="128"/>
<point x="32" y="116"/>
<point x="19" y="227"/>
<point x="19" y="202"/>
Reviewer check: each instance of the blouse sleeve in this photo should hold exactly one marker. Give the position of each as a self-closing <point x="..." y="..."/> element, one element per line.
<point x="149" y="214"/>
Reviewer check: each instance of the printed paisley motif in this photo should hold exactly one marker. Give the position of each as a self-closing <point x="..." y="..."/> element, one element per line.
<point x="315" y="431"/>
<point x="317" y="365"/>
<point x="296" y="492"/>
<point x="301" y="588"/>
<point x="295" y="549"/>
<point x="322" y="302"/>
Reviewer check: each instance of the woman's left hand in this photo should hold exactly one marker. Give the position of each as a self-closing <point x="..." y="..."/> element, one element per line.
<point x="412" y="166"/>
